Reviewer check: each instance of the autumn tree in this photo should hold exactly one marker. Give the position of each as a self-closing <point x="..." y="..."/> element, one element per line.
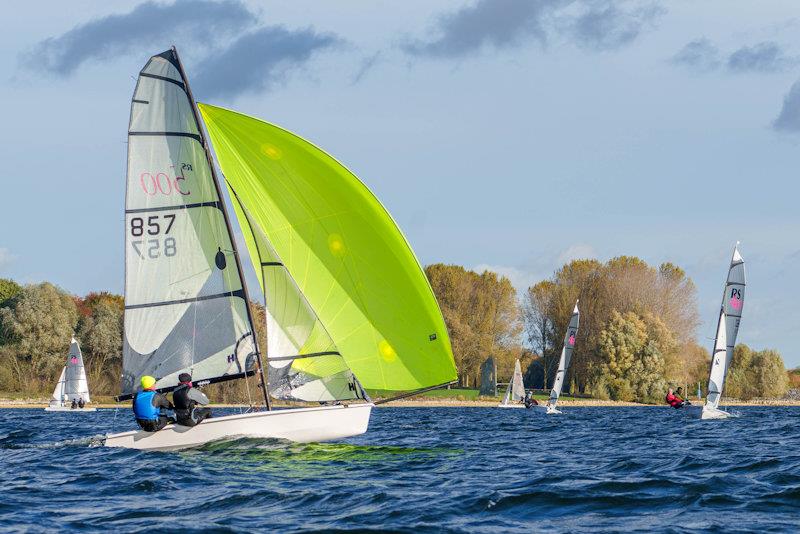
<point x="100" y="334"/>
<point x="482" y="316"/>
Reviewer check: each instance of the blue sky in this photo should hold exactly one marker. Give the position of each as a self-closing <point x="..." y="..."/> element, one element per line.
<point x="503" y="134"/>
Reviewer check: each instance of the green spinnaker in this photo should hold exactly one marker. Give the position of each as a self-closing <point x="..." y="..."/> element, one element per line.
<point x="342" y="248"/>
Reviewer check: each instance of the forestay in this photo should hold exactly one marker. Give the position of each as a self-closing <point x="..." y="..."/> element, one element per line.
<point x="566" y="355"/>
<point x="342" y="249"/>
<point x="185" y="306"/>
<point x="730" y="316"/>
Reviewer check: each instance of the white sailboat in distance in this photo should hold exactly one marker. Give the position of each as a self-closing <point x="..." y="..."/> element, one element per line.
<point x="515" y="392"/>
<point x="570" y="338"/>
<point x="72" y="384"/>
<point x="348" y="307"/>
<point x="724" y="342"/>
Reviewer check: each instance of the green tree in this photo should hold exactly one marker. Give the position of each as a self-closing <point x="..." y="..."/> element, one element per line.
<point x="756" y="374"/>
<point x="632" y="362"/>
<point x="8" y="289"/>
<point x="39" y="322"/>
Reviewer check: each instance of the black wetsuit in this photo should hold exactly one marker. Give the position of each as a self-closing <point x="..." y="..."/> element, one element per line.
<point x="187" y="411"/>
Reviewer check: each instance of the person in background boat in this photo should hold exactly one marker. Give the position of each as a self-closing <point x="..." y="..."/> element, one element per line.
<point x="190" y="403"/>
<point x="81" y="403"/>
<point x="679" y="395"/>
<point x="149" y="407"/>
<point x="74" y="404"/>
<point x="529" y="400"/>
<point x="673" y="400"/>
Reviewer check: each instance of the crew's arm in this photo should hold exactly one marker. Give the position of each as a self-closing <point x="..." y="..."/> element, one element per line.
<point x="162" y="402"/>
<point x="198" y="396"/>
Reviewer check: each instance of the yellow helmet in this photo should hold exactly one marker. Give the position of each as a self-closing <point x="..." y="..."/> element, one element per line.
<point x="148" y="382"/>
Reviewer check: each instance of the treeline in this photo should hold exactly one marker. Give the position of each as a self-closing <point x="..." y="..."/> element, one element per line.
<point x="636" y="336"/>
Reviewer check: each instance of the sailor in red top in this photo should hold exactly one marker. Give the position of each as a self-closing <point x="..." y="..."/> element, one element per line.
<point x="672" y="400"/>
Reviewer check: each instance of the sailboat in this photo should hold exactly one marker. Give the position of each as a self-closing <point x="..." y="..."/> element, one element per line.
<point x="348" y="306"/>
<point x="72" y="384"/>
<point x="515" y="392"/>
<point x="724" y="342"/>
<point x="563" y="364"/>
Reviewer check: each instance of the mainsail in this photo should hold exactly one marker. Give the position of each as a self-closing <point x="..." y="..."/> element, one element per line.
<point x="330" y="253"/>
<point x="516" y="388"/>
<point x="185" y="302"/>
<point x="566" y="355"/>
<point x="72" y="384"/>
<point x="728" y="327"/>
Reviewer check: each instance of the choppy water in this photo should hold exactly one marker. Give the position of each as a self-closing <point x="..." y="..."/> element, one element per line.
<point x="417" y="469"/>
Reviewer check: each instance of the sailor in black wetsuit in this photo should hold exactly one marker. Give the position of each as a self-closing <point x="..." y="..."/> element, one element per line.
<point x="149" y="407"/>
<point x="190" y="403"/>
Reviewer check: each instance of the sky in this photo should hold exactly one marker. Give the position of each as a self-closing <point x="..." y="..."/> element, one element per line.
<point x="510" y="135"/>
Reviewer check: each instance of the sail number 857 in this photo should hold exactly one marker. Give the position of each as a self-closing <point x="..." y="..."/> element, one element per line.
<point x="153" y="226"/>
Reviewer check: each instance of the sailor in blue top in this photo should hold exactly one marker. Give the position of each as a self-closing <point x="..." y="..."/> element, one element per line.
<point x="149" y="407"/>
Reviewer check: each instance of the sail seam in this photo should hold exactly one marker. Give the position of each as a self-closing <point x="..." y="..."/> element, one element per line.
<point x="212" y="204"/>
<point x="237" y="293"/>
<point x="196" y="137"/>
<point x="309" y="355"/>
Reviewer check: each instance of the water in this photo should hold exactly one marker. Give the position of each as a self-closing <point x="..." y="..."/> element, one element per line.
<point x="417" y="469"/>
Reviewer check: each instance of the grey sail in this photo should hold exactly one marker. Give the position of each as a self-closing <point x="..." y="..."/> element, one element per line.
<point x="185" y="302"/>
<point x="728" y="327"/>
<point x="566" y="355"/>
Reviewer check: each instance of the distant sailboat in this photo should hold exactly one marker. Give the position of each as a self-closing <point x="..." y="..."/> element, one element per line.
<point x="348" y="306"/>
<point x="515" y="392"/>
<point x="563" y="363"/>
<point x="72" y="384"/>
<point x="727" y="328"/>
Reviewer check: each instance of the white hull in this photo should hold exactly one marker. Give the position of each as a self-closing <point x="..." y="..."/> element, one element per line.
<point x="544" y="409"/>
<point x="501" y="405"/>
<point x="706" y="412"/>
<point x="302" y="425"/>
<point x="68" y="409"/>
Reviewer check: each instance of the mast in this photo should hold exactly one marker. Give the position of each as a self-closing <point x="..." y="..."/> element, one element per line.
<point x="263" y="382"/>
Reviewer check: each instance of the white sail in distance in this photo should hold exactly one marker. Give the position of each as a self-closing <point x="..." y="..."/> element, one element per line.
<point x="728" y="327"/>
<point x="72" y="384"/>
<point x="517" y="386"/>
<point x="566" y="355"/>
<point x="185" y="303"/>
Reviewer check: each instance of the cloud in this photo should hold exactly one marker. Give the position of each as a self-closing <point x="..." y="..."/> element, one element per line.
<point x="366" y="65"/>
<point x="259" y="60"/>
<point x="576" y="252"/>
<point x="604" y="26"/>
<point x="149" y="26"/>
<point x="788" y="119"/>
<point x="499" y="24"/>
<point x="762" y="57"/>
<point x="703" y="56"/>
<point x="519" y="278"/>
<point x="699" y="54"/>
<point x="6" y="257"/>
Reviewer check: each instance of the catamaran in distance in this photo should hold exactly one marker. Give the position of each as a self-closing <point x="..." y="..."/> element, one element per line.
<point x="348" y="307"/>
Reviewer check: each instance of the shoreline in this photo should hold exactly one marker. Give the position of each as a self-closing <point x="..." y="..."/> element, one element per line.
<point x="430" y="403"/>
